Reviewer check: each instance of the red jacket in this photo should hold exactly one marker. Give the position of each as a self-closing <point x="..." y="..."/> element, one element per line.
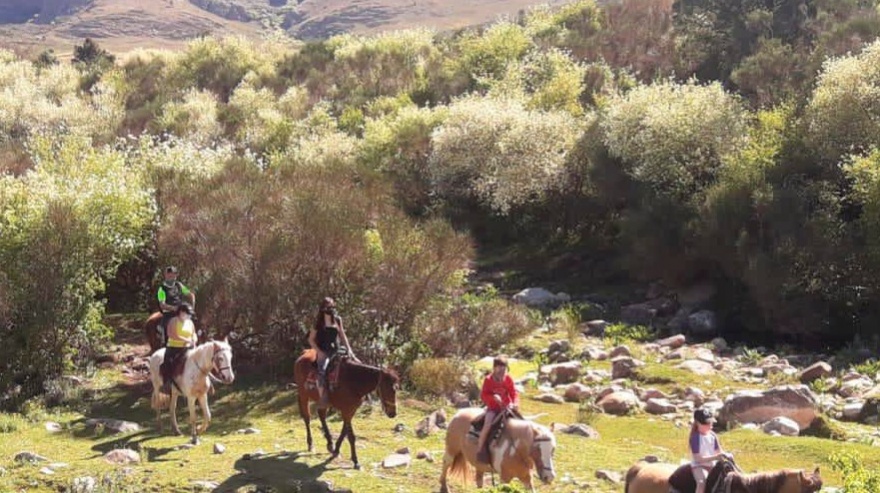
<point x="505" y="389"/>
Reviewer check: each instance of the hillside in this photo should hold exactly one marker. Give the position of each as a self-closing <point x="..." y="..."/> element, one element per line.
<point x="28" y="27"/>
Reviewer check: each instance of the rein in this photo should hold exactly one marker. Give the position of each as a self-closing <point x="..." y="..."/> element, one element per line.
<point x="209" y="372"/>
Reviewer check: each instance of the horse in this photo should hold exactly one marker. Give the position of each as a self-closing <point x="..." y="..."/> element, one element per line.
<point x="522" y="446"/>
<point x="655" y="478"/>
<point x="151" y="331"/>
<point x="201" y="362"/>
<point x="356" y="380"/>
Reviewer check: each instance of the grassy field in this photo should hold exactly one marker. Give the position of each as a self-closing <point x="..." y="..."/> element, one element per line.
<point x="166" y="465"/>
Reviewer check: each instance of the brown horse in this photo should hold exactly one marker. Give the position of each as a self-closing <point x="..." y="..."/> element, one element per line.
<point x="356" y="380"/>
<point x="522" y="446"/>
<point x="151" y="331"/>
<point x="654" y="478"/>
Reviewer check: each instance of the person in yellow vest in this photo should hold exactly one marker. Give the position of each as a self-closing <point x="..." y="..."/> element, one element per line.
<point x="181" y="336"/>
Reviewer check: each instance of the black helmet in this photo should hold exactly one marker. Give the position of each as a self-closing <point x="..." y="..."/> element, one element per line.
<point x="185" y="307"/>
<point x="171" y="269"/>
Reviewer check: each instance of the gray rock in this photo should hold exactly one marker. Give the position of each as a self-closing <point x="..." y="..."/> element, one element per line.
<point x="581" y="430"/>
<point x="540" y="298"/>
<point x="219" y="448"/>
<point x="577" y="392"/>
<point x="782" y="425"/>
<point x="796" y="402"/>
<point x="30" y="457"/>
<point x="659" y="406"/>
<point x="619" y="403"/>
<point x="618" y="351"/>
<point x="623" y="367"/>
<point x="610" y="476"/>
<point x="84" y="484"/>
<point x="114" y="425"/>
<point x="697" y="367"/>
<point x="53" y="427"/>
<point x="596" y="328"/>
<point x="396" y="460"/>
<point x="122" y="456"/>
<point x="549" y="398"/>
<point x="703" y="323"/>
<point x="673" y="342"/>
<point x="248" y="431"/>
<point x="204" y="485"/>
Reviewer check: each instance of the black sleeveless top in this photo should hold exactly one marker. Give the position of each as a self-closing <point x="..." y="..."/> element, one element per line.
<point x="327" y="339"/>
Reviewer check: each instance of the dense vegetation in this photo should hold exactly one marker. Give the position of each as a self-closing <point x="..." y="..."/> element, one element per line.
<point x="725" y="141"/>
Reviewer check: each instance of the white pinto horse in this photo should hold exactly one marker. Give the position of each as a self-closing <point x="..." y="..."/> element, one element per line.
<point x="194" y="383"/>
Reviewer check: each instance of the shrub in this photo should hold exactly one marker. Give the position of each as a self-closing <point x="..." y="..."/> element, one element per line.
<point x="621" y="333"/>
<point x="568" y="319"/>
<point x="506" y="154"/>
<point x="193" y="117"/>
<point x="857" y="478"/>
<point x="437" y="376"/>
<point x="472" y="325"/>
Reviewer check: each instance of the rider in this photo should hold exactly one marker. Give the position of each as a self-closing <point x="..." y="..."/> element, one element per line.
<point x="170" y="295"/>
<point x="181" y="337"/>
<point x="498" y="394"/>
<point x="704" y="446"/>
<point x="323" y="338"/>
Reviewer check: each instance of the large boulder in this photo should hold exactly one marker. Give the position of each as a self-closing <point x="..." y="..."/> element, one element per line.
<point x="815" y="372"/>
<point x="673" y="342"/>
<point x="659" y="406"/>
<point x="796" y="402"/>
<point x="540" y="298"/>
<point x="578" y="392"/>
<point x="697" y="367"/>
<point x="562" y="373"/>
<point x="703" y="323"/>
<point x="624" y="367"/>
<point x="619" y="403"/>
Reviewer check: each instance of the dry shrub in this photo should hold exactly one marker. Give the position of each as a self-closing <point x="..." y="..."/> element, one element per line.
<point x="437" y="376"/>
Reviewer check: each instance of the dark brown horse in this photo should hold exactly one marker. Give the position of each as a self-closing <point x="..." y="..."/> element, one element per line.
<point x="152" y="333"/>
<point x="355" y="381"/>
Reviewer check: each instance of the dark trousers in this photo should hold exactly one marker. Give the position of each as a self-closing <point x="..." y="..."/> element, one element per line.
<point x="172" y="356"/>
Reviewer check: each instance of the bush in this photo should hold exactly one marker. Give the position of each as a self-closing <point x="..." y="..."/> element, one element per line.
<point x="622" y="333"/>
<point x="857" y="478"/>
<point x="438" y="376"/>
<point x="501" y="152"/>
<point x="472" y="325"/>
<point x="568" y="319"/>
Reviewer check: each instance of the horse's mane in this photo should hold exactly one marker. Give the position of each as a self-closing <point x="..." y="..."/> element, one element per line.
<point x="771" y="482"/>
<point x="393" y="374"/>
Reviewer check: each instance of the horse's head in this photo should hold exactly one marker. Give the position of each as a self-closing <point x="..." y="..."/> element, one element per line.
<point x="810" y="483"/>
<point x="387" y="389"/>
<point x="221" y="362"/>
<point x="541" y="452"/>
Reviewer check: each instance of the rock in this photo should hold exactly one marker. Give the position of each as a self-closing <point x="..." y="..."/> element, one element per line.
<point x="703" y="323"/>
<point x="815" y="372"/>
<point x="253" y="455"/>
<point x="561" y="373"/>
<point x="720" y="344"/>
<point x="677" y="354"/>
<point x="559" y="346"/>
<point x="248" y="431"/>
<point x="695" y="395"/>
<point x="549" y="398"/>
<point x="30" y="457"/>
<point x="540" y="298"/>
<point x="783" y="426"/>
<point x="638" y="314"/>
<point x="396" y="460"/>
<point x="596" y="376"/>
<point x="673" y="342"/>
<point x="47" y="471"/>
<point x="122" y="456"/>
<point x="398" y="428"/>
<point x="659" y="406"/>
<point x="652" y="394"/>
<point x="697" y="367"/>
<point x="424" y="455"/>
<point x="704" y="354"/>
<point x="610" y="476"/>
<point x="623" y="367"/>
<point x="430" y="423"/>
<point x="204" y="485"/>
<point x="114" y="425"/>
<point x="608" y="390"/>
<point x="581" y="430"/>
<point x="853" y="410"/>
<point x="619" y="403"/>
<point x="596" y="328"/>
<point x="621" y="350"/>
<point x="796" y="402"/>
<point x="577" y="392"/>
<point x="219" y="448"/>
<point x="53" y="427"/>
<point x="651" y="459"/>
<point x="595" y="354"/>
<point x="84" y="484"/>
<point x="402" y="451"/>
<point x="855" y="386"/>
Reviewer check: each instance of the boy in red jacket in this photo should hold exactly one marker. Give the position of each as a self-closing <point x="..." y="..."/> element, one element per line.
<point x="498" y="394"/>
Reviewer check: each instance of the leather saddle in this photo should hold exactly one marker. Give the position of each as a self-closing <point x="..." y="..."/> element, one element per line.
<point x="332" y="374"/>
<point x="497" y="426"/>
<point x="682" y="480"/>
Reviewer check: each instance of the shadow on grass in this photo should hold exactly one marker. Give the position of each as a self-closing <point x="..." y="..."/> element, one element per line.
<point x="276" y="472"/>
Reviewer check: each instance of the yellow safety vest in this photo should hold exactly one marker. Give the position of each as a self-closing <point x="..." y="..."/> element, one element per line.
<point x="180" y="333"/>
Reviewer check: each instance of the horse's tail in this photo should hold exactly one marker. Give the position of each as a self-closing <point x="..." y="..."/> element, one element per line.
<point x="630" y="475"/>
<point x="460" y="468"/>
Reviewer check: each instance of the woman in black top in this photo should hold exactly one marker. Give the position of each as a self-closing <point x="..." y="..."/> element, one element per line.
<point x="324" y="339"/>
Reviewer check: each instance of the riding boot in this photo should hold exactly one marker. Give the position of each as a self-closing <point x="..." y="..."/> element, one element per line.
<point x="483" y="454"/>
<point x="166" y="386"/>
<point x="324" y="399"/>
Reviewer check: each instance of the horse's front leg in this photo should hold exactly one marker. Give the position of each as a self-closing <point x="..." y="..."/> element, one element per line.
<point x="172" y="408"/>
<point x="306" y="416"/>
<point x="339" y="440"/>
<point x="206" y="413"/>
<point x="322" y="415"/>
<point x="351" y="440"/>
<point x="191" y="403"/>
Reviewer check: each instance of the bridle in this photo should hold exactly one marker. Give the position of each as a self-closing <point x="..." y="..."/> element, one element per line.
<point x="542" y="467"/>
<point x="210" y="371"/>
<point x="385" y="401"/>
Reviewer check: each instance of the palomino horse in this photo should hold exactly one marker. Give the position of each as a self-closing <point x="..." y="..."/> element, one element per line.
<point x="356" y="380"/>
<point x="522" y="445"/>
<point x="654" y="478"/>
<point x="194" y="383"/>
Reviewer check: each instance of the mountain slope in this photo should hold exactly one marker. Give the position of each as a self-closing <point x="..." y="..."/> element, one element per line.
<point x="28" y="26"/>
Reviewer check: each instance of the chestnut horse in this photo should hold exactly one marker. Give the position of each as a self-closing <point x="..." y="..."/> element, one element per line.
<point x="356" y="380"/>
<point x="654" y="478"/>
<point x="151" y="331"/>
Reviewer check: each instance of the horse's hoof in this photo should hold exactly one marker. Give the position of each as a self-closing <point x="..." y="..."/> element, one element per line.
<point x="357" y="467"/>
<point x="178" y="432"/>
<point x="195" y="441"/>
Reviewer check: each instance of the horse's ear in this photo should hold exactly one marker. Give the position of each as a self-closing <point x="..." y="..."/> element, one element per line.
<point x="816" y="472"/>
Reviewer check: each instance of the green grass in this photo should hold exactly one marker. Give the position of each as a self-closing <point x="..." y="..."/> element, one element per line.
<point x="272" y="409"/>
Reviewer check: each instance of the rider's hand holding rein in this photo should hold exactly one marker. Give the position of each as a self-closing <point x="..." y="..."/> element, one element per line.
<point x="345" y="340"/>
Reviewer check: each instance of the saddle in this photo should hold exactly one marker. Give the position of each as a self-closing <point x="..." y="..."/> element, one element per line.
<point x="682" y="480"/>
<point x="497" y="426"/>
<point x="176" y="365"/>
<point x="332" y="378"/>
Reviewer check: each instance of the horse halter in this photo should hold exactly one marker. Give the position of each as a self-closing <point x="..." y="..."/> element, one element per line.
<point x="542" y="467"/>
<point x="385" y="402"/>
<point x="210" y="371"/>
